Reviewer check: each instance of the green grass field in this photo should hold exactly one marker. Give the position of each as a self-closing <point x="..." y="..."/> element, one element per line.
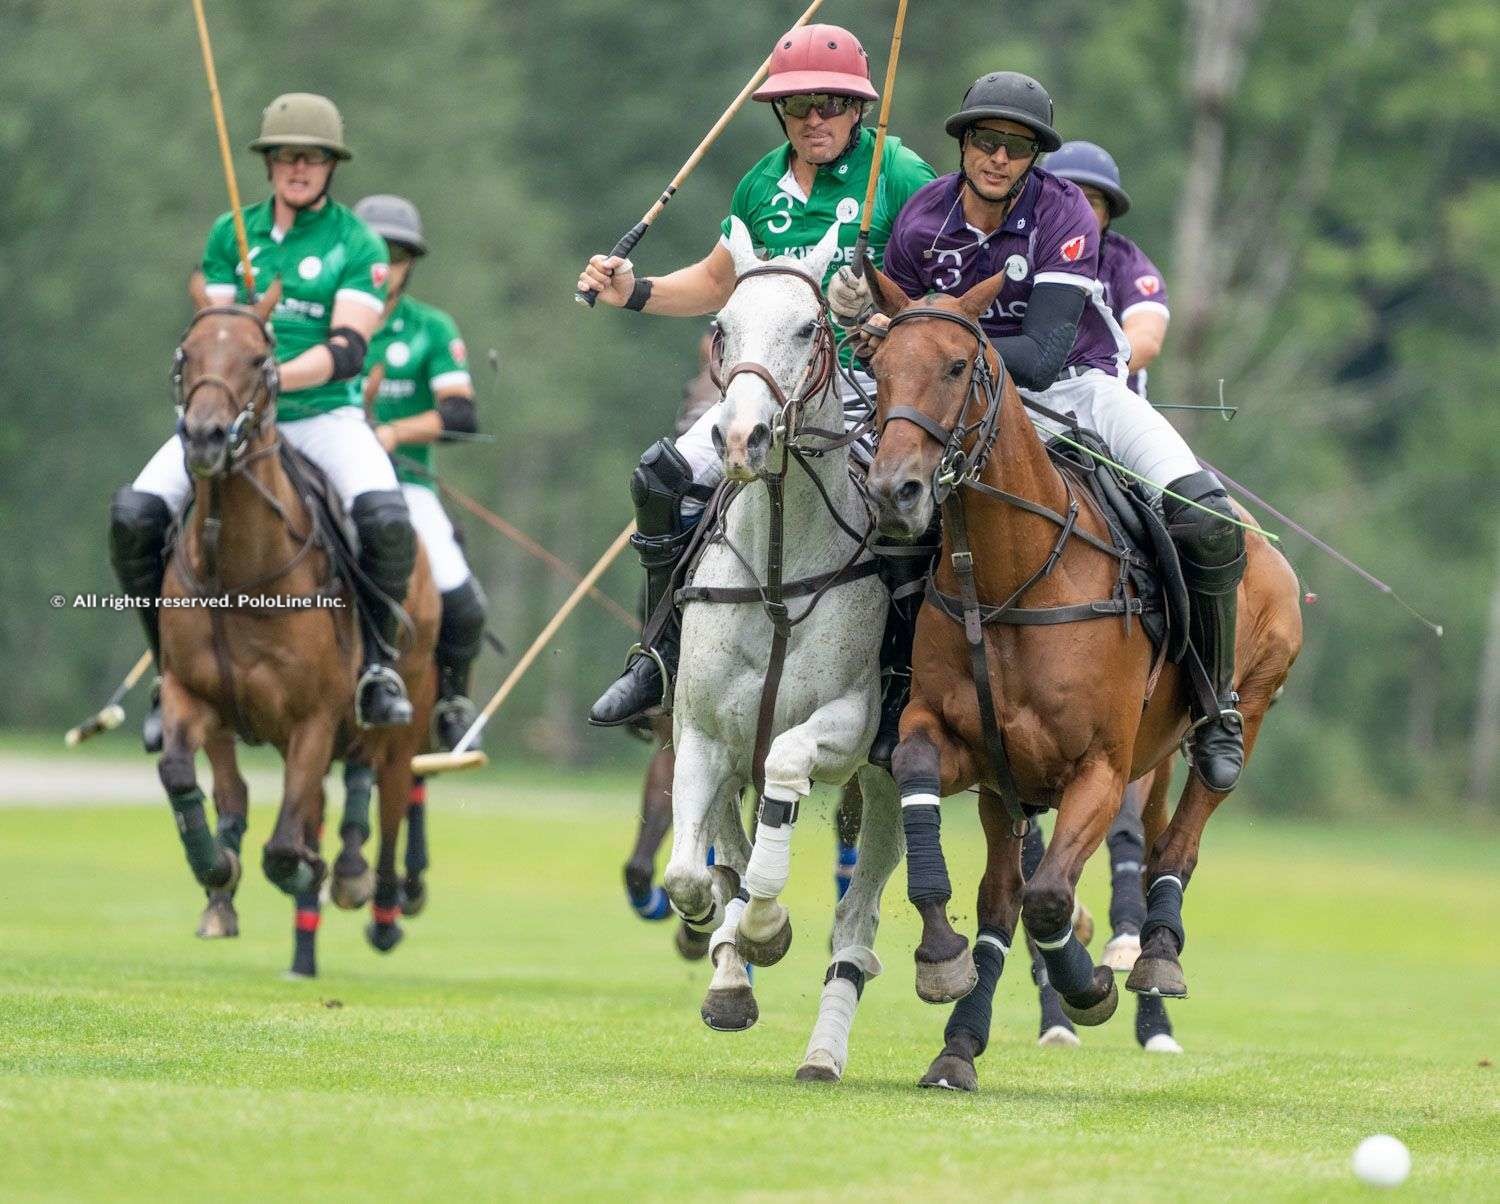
<point x="532" y="1038"/>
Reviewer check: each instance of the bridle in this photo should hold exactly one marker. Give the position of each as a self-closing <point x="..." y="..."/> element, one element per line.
<point x="958" y="467"/>
<point x="250" y="415"/>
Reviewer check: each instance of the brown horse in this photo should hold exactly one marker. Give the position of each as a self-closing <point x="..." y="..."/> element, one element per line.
<point x="1082" y="707"/>
<point x="276" y="662"/>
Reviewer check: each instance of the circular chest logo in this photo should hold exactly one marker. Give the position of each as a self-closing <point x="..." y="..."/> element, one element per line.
<point x="310" y="267"/>
<point x="848" y="209"/>
<point x="398" y="355"/>
<point x="1016" y="267"/>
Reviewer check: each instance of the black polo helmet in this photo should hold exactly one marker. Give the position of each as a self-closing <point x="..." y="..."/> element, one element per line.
<point x="1011" y="96"/>
<point x="1089" y="163"/>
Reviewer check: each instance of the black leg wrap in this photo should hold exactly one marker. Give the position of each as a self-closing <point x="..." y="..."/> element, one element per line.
<point x="232" y="832"/>
<point x="387" y="891"/>
<point x="305" y="934"/>
<point x="138" y="525"/>
<point x="926" y="870"/>
<point x="208" y="863"/>
<point x="1033" y="846"/>
<point x="416" y="860"/>
<point x="973" y="1013"/>
<point x="1164" y="909"/>
<point x="359" y="781"/>
<point x="1069" y="967"/>
<point x="1150" y="1017"/>
<point x="1127" y="899"/>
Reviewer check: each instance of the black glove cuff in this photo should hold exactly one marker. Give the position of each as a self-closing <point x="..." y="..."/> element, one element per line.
<point x="640" y="294"/>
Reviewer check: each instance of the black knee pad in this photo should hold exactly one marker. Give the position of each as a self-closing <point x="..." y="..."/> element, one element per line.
<point x="461" y="630"/>
<point x="138" y="525"/>
<point x="1212" y="544"/>
<point x="387" y="543"/>
<point x="660" y="483"/>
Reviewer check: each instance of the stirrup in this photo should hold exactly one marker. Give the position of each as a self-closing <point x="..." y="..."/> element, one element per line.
<point x="376" y="674"/>
<point x="1230" y="712"/>
<point x="456" y="705"/>
<point x="662" y="705"/>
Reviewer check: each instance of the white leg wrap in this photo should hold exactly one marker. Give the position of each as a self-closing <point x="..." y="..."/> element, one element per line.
<point x="724" y="933"/>
<point x="835" y="1018"/>
<point x="770" y="861"/>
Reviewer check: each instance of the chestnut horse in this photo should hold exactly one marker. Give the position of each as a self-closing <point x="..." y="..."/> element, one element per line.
<point x="279" y="667"/>
<point x="1082" y="703"/>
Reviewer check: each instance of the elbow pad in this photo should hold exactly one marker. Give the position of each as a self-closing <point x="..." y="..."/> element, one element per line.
<point x="348" y="348"/>
<point x="458" y="415"/>
<point x="1049" y="329"/>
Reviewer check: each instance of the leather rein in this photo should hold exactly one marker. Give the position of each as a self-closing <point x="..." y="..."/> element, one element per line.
<point x="958" y="471"/>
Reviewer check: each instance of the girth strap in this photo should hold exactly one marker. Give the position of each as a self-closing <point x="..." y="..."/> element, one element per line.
<point x="1037" y="616"/>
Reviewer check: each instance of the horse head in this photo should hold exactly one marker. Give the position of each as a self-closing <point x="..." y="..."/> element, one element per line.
<point x="224" y="378"/>
<point x="775" y="350"/>
<point x="925" y="390"/>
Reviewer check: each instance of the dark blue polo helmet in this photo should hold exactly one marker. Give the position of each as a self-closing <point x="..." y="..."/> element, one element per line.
<point x="1089" y="163"/>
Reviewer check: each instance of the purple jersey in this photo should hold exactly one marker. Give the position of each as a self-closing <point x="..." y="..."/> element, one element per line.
<point x="1131" y="282"/>
<point x="1050" y="236"/>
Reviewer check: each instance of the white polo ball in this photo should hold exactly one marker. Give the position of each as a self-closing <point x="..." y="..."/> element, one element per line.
<point x="1382" y="1161"/>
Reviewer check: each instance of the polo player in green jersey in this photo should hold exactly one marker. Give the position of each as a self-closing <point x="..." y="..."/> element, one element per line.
<point x="333" y="272"/>
<point x="426" y="392"/>
<point x="818" y="87"/>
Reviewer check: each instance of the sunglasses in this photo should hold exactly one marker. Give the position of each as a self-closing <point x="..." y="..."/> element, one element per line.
<point x="315" y="155"/>
<point x="825" y="105"/>
<point x="1017" y="146"/>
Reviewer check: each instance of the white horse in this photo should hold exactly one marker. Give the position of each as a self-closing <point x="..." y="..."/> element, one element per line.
<point x="827" y="706"/>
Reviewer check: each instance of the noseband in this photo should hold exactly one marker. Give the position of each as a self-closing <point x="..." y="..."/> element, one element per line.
<point x="249" y="415"/>
<point x="957" y="466"/>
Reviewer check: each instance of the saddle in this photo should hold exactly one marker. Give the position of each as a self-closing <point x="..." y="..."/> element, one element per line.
<point x="1136" y="523"/>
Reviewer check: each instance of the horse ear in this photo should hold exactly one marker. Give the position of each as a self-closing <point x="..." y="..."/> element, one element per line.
<point x="888" y="295"/>
<point x="198" y="290"/>
<point x="740" y="246"/>
<point x="982" y="295"/>
<point x="821" y="256"/>
<point x="268" y="300"/>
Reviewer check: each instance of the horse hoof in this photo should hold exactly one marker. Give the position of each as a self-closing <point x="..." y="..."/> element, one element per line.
<point x="218" y="921"/>
<point x="1157" y="976"/>
<point x="413" y="897"/>
<point x="1059" y="1036"/>
<point x="729" y="1009"/>
<point x="819" y="1067"/>
<point x="1090" y="1014"/>
<point x="1161" y="1043"/>
<point x="1083" y="923"/>
<point x="1121" y="953"/>
<point x="947" y="981"/>
<point x="769" y="951"/>
<point x="296" y="975"/>
<point x="349" y="893"/>
<point x="691" y="944"/>
<point x="383" y="937"/>
<point x="950" y="1073"/>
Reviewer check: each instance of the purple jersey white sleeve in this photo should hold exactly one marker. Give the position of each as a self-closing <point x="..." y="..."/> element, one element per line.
<point x="1132" y="284"/>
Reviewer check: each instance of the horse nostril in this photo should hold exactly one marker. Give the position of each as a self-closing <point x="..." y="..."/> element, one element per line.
<point x="909" y="494"/>
<point x="759" y="441"/>
<point x="718" y="437"/>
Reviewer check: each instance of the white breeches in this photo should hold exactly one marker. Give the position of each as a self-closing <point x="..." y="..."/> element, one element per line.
<point x="339" y="442"/>
<point x="697" y="445"/>
<point x="1138" y="436"/>
<point x="449" y="568"/>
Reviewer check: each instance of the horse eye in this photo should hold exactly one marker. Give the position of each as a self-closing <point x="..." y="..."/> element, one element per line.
<point x="956" y="368"/>
<point x="808" y="331"/>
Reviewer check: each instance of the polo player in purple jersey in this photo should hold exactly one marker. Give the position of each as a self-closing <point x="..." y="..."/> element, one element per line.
<point x="1002" y="214"/>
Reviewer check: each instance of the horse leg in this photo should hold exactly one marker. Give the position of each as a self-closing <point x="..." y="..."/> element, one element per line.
<point x="1142" y="818"/>
<point x="765" y="931"/>
<point x="307" y="914"/>
<point x="1084" y="813"/>
<point x="232" y="805"/>
<point x="855" y="920"/>
<point x="414" y="886"/>
<point x="1055" y="1030"/>
<point x="394" y="779"/>
<point x="847" y="821"/>
<point x="999" y="906"/>
<point x="185" y="720"/>
<point x="287" y="860"/>
<point x="945" y="968"/>
<point x="648" y="901"/>
<point x="729" y="1004"/>
<point x="1174" y="853"/>
<point x="353" y="878"/>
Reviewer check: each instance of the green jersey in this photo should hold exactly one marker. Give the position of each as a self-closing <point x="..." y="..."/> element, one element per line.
<point x="423" y="356"/>
<point x="328" y="255"/>
<point x="783" y="220"/>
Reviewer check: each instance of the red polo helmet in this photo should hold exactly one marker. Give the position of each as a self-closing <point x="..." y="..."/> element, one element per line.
<point x="818" y="58"/>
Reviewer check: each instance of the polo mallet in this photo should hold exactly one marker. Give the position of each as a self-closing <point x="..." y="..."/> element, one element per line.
<point x="112" y="714"/>
<point x="638" y="231"/>
<point x="867" y="213"/>
<point x="218" y="106"/>
<point x="462" y="757"/>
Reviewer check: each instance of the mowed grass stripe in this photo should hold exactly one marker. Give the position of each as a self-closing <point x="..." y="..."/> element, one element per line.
<point x="531" y="1037"/>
